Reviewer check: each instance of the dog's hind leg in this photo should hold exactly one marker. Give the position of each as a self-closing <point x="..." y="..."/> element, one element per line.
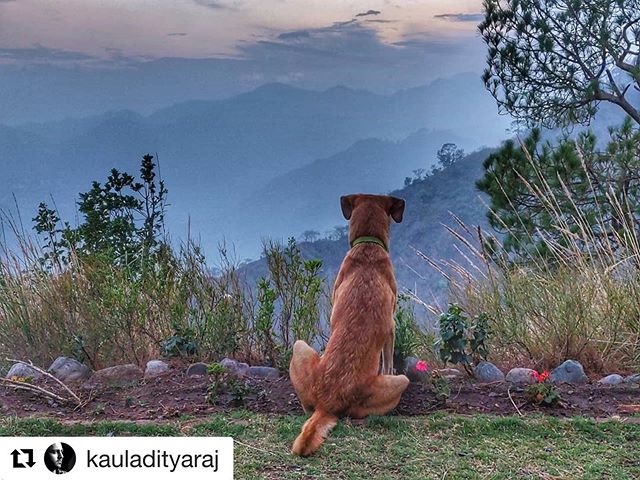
<point x="387" y="354"/>
<point x="302" y="372"/>
<point x="381" y="396"/>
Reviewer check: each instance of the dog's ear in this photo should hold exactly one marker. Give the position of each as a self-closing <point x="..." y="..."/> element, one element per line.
<point x="346" y="205"/>
<point x="397" y="209"/>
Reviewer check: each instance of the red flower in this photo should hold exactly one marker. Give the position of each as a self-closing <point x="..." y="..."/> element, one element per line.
<point x="421" y="366"/>
<point x="540" y="377"/>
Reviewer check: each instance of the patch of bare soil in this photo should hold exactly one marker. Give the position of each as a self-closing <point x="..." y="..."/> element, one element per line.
<point x="173" y="394"/>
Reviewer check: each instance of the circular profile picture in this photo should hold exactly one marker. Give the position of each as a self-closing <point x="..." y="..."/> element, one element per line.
<point x="59" y="458"/>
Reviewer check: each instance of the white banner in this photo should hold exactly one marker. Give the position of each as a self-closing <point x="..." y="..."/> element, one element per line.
<point x="121" y="458"/>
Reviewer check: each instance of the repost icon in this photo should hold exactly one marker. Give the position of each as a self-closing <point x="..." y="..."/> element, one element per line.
<point x="100" y="458"/>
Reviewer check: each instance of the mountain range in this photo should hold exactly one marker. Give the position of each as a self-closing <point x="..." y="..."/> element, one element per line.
<point x="265" y="163"/>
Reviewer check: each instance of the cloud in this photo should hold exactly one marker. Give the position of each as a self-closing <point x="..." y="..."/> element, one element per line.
<point x="53" y="57"/>
<point x="342" y="53"/>
<point x="294" y="35"/>
<point x="38" y="53"/>
<point x="369" y="12"/>
<point x="353" y="53"/>
<point x="341" y="41"/>
<point x="177" y="34"/>
<point x="461" y="17"/>
<point x="343" y="24"/>
<point x="219" y="5"/>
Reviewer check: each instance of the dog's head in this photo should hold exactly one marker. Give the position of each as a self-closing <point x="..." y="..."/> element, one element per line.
<point x="371" y="214"/>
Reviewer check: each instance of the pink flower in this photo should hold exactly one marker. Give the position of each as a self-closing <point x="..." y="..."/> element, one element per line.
<point x="421" y="366"/>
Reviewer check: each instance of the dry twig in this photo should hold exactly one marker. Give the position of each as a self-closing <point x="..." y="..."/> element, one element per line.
<point x="75" y="399"/>
<point x="512" y="402"/>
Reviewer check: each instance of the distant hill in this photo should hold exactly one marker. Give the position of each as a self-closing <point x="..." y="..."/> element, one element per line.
<point x="305" y="197"/>
<point x="429" y="204"/>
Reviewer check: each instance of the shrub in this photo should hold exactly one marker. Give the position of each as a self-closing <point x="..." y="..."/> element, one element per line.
<point x="439" y="383"/>
<point x="222" y="382"/>
<point x="123" y="222"/>
<point x="181" y="343"/>
<point x="459" y="343"/>
<point x="571" y="195"/>
<point x="265" y="320"/>
<point x="291" y="302"/>
<point x="410" y="341"/>
<point x="542" y="391"/>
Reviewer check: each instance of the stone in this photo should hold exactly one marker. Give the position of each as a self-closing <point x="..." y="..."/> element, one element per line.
<point x="521" y="376"/>
<point x="155" y="367"/>
<point x="23" y="371"/>
<point x="69" y="370"/>
<point x="235" y="368"/>
<point x="487" y="372"/>
<point x="269" y="373"/>
<point x="569" y="371"/>
<point x="118" y="375"/>
<point x="613" y="379"/>
<point x="199" y="368"/>
<point x="632" y="378"/>
<point x="410" y="370"/>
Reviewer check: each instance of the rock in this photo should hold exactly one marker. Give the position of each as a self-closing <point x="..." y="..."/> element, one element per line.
<point x="23" y="371"/>
<point x="69" y="370"/>
<point x="118" y="375"/>
<point x="410" y="370"/>
<point x="632" y="378"/>
<point x="521" y="376"/>
<point x="569" y="371"/>
<point x="155" y="367"/>
<point x="235" y="368"/>
<point x="487" y="372"/>
<point x="613" y="379"/>
<point x="199" y="368"/>
<point x="269" y="373"/>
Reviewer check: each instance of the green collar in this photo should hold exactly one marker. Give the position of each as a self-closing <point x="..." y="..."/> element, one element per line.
<point x="375" y="240"/>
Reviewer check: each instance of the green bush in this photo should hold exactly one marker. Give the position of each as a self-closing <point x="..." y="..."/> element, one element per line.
<point x="460" y="343"/>
<point x="290" y="302"/>
<point x="410" y="341"/>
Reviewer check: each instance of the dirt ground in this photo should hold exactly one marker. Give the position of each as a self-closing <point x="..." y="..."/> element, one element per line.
<point x="173" y="394"/>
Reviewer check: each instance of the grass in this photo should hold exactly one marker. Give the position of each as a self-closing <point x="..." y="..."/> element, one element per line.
<point x="439" y="446"/>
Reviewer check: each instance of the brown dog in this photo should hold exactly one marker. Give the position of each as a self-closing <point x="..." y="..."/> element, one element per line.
<point x="346" y="379"/>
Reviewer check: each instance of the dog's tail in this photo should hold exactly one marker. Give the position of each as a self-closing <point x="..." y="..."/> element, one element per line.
<point x="313" y="433"/>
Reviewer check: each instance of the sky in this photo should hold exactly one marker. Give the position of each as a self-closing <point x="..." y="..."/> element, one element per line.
<point x="79" y="57"/>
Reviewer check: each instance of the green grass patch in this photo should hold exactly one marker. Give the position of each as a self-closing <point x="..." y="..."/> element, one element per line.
<point x="438" y="446"/>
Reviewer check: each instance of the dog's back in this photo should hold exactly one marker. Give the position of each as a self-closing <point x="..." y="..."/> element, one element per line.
<point x="362" y="319"/>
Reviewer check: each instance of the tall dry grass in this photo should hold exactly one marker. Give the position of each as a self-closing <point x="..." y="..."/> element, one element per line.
<point x="578" y="300"/>
<point x="104" y="314"/>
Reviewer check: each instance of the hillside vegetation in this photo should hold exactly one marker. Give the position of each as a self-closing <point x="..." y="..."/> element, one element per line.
<point x="431" y="203"/>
